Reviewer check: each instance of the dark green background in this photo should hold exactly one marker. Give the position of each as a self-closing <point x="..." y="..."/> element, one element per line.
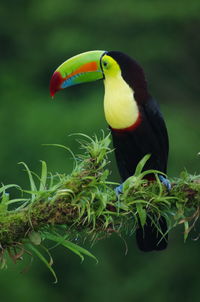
<point x="35" y="37"/>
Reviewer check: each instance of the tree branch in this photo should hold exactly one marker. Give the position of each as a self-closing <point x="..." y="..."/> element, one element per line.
<point x="85" y="201"/>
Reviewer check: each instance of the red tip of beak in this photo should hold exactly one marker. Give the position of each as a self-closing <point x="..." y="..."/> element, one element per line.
<point x="55" y="83"/>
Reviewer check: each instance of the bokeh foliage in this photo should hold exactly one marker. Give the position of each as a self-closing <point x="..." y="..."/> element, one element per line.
<point x="35" y="37"/>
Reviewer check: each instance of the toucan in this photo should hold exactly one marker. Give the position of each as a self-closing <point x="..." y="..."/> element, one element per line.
<point x="134" y="119"/>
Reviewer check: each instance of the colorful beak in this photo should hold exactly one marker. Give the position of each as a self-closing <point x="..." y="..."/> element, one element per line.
<point x="82" y="68"/>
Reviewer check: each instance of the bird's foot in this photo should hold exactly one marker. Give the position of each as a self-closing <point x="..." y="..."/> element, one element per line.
<point x="165" y="182"/>
<point x="119" y="190"/>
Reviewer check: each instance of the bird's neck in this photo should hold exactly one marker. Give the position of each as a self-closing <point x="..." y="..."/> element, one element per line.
<point x="120" y="107"/>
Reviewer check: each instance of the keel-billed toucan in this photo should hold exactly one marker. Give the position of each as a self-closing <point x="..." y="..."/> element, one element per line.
<point x="133" y="116"/>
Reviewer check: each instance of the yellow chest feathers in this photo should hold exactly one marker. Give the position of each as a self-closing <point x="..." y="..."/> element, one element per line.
<point x="120" y="107"/>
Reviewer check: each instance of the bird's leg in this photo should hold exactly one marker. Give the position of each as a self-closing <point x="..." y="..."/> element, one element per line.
<point x="165" y="182"/>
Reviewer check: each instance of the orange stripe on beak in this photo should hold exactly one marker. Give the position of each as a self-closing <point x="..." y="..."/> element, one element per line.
<point x="91" y="66"/>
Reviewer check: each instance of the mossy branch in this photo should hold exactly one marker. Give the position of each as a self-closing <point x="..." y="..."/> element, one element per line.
<point x="60" y="207"/>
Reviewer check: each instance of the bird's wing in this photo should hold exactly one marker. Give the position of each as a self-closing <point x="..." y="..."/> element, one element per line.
<point x="157" y="123"/>
<point x="149" y="137"/>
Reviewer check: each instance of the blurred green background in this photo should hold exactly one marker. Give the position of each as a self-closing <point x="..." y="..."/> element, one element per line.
<point x="35" y="37"/>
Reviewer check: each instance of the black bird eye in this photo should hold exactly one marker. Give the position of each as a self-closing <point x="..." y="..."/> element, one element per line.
<point x="105" y="64"/>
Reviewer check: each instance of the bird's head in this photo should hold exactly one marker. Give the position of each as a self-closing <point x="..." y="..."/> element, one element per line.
<point x="94" y="65"/>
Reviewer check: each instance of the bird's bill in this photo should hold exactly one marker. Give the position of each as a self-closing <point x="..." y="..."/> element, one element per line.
<point x="82" y="68"/>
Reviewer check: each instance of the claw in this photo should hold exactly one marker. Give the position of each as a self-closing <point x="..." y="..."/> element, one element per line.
<point x="165" y="182"/>
<point x="119" y="190"/>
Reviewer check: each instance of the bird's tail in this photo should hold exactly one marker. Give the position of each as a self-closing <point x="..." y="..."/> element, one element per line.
<point x="149" y="238"/>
